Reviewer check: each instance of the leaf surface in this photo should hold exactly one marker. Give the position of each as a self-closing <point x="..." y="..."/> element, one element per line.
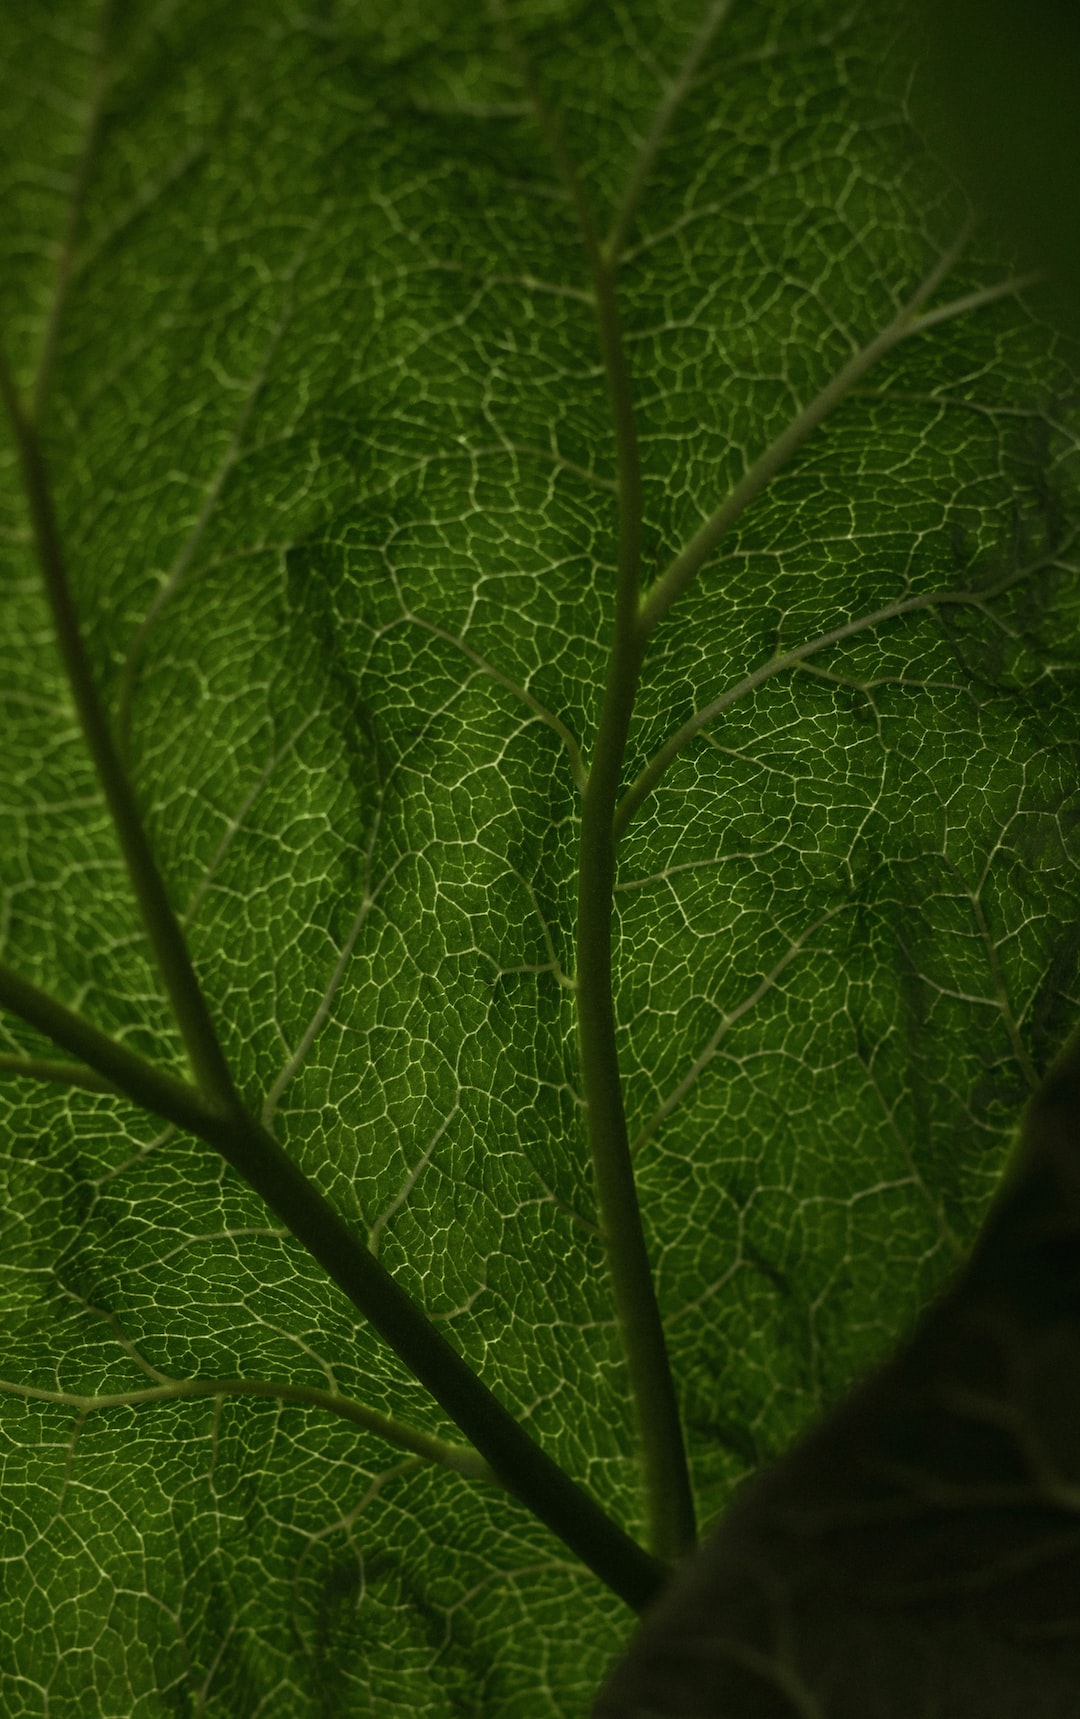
<point x="305" y="300"/>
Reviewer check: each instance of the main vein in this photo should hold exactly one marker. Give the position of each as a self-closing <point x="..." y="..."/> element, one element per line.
<point x="668" y="1496"/>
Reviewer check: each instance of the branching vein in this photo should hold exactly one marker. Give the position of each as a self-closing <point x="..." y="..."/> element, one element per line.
<point x="457" y="1457"/>
<point x="908" y="321"/>
<point x="978" y="597"/>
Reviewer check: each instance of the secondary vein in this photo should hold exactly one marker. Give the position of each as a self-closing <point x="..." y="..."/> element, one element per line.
<point x="174" y="963"/>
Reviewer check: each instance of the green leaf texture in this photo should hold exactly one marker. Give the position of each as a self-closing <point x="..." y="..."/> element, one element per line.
<point x="302" y="295"/>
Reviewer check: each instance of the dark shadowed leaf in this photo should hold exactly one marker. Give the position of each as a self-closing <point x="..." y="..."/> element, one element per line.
<point x="1007" y="73"/>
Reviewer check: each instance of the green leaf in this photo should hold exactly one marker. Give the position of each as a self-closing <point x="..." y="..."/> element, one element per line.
<point x="368" y="356"/>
